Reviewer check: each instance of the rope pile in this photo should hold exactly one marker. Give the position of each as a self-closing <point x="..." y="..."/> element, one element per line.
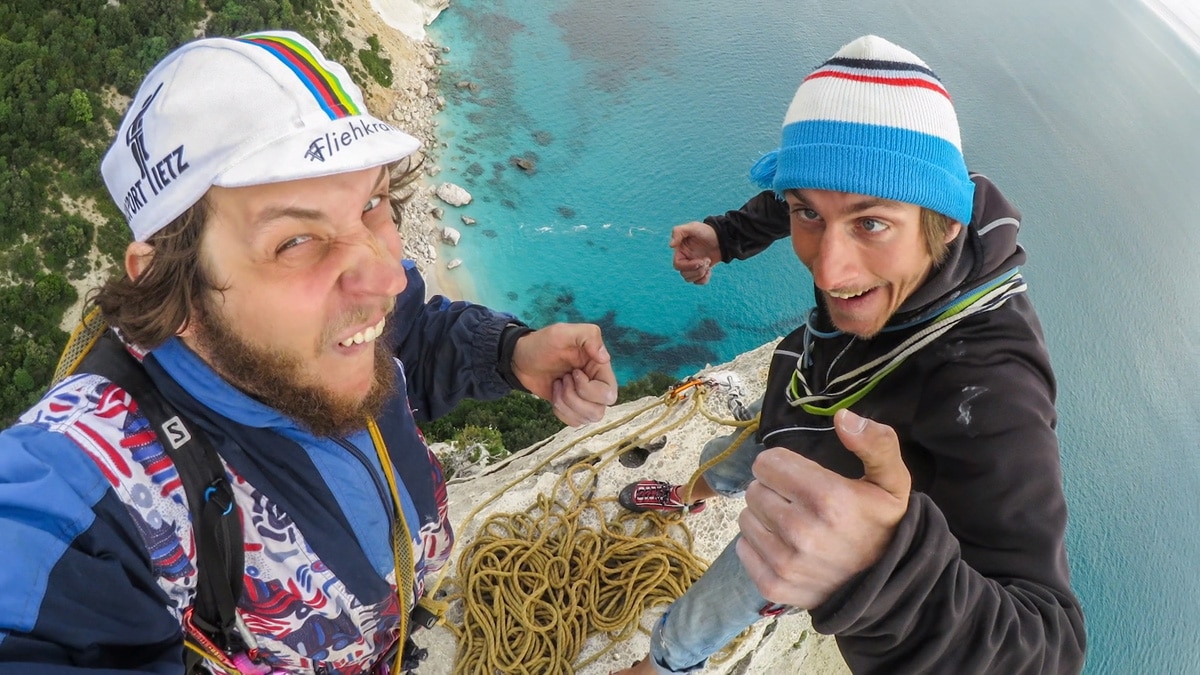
<point x="536" y="585"/>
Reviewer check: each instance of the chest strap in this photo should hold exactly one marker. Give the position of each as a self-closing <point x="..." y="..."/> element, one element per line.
<point x="216" y="524"/>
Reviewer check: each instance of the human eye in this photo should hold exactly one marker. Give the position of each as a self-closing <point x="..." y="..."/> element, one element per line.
<point x="374" y="203"/>
<point x="804" y="213"/>
<point x="805" y="219"/>
<point x="873" y="226"/>
<point x="377" y="212"/>
<point x="292" y="242"/>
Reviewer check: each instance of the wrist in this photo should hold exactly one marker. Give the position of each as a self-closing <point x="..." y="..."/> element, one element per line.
<point x="509" y="336"/>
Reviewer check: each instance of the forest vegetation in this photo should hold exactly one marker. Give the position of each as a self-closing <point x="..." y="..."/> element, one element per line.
<point x="64" y="68"/>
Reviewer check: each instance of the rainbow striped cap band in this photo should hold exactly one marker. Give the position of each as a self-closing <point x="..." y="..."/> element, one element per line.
<point x="324" y="85"/>
<point x="262" y="108"/>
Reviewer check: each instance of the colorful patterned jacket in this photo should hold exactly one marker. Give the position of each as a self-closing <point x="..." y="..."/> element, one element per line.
<point x="99" y="556"/>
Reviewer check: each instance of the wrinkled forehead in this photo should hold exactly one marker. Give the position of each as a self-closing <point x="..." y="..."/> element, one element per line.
<point x="250" y="211"/>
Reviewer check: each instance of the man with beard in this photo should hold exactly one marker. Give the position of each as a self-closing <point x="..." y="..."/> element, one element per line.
<point x="904" y="485"/>
<point x="266" y="300"/>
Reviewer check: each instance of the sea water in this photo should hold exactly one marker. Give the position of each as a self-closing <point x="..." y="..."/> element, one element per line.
<point x="636" y="115"/>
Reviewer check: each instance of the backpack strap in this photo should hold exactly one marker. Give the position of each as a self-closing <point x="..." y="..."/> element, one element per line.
<point x="216" y="525"/>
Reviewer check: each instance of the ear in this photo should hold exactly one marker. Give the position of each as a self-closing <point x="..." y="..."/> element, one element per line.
<point x="952" y="232"/>
<point x="137" y="258"/>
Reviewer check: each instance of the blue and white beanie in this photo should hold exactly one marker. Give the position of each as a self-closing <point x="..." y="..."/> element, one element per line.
<point x="873" y="120"/>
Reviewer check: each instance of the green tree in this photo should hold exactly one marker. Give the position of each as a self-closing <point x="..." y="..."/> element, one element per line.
<point x="379" y="68"/>
<point x="481" y="442"/>
<point x="81" y="107"/>
<point x="23" y="381"/>
<point x="651" y="384"/>
<point x="65" y="239"/>
<point x="53" y="290"/>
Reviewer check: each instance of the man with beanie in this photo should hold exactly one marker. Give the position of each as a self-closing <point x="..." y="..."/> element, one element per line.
<point x="911" y="496"/>
<point x="267" y="309"/>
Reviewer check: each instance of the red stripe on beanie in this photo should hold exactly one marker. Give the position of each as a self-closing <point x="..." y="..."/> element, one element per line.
<point x="893" y="81"/>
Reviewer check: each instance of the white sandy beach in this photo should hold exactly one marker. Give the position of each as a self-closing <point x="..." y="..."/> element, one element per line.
<point x="409" y="16"/>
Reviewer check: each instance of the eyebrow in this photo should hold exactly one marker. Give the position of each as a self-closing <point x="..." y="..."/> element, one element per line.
<point x="277" y="212"/>
<point x="273" y="213"/>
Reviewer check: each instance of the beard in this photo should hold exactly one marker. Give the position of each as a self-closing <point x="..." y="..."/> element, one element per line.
<point x="276" y="378"/>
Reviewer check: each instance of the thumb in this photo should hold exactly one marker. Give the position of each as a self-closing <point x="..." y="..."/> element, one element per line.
<point x="596" y="351"/>
<point x="677" y="236"/>
<point x="878" y="448"/>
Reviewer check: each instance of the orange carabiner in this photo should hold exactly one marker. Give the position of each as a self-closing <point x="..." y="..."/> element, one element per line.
<point x="680" y="390"/>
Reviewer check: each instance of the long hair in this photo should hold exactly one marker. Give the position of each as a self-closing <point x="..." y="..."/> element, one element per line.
<point x="165" y="297"/>
<point x="934" y="226"/>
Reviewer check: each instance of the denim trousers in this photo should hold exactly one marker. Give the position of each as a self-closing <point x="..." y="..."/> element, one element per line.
<point x="724" y="601"/>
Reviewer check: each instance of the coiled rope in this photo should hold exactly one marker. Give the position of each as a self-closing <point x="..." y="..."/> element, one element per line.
<point x="536" y="585"/>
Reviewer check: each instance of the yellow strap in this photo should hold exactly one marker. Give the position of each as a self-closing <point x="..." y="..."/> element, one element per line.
<point x="187" y="642"/>
<point x="401" y="543"/>
<point x="82" y="339"/>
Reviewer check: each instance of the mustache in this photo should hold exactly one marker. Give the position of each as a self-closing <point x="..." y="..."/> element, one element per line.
<point x="354" y="317"/>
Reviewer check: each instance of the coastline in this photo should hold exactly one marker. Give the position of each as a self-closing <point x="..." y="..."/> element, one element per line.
<point x="410" y="104"/>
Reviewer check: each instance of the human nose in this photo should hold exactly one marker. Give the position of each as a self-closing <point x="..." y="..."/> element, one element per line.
<point x="836" y="263"/>
<point x="375" y="268"/>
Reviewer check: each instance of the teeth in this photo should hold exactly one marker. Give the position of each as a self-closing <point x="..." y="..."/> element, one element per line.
<point x="365" y="335"/>
<point x="842" y="295"/>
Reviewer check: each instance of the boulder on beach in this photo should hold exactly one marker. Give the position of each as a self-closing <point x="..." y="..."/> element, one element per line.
<point x="453" y="263"/>
<point x="468" y="220"/>
<point x="450" y="235"/>
<point x="453" y="195"/>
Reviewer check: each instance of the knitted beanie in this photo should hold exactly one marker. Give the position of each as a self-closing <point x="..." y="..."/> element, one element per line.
<point x="873" y="120"/>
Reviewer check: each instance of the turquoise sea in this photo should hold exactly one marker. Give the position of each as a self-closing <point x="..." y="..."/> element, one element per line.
<point x="641" y="114"/>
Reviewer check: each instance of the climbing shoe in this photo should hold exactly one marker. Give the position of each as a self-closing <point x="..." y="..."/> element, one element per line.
<point x="655" y="495"/>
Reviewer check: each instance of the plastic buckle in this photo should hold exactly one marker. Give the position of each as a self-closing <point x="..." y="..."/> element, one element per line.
<point x="220" y="494"/>
<point x="413" y="656"/>
<point x="424" y="618"/>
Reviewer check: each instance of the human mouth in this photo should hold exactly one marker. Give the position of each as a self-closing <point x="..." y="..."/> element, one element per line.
<point x="368" y="334"/>
<point x="848" y="295"/>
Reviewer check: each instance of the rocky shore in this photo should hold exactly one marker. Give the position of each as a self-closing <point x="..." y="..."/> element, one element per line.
<point x="410" y="104"/>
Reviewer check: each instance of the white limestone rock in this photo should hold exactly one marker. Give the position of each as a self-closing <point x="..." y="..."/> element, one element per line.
<point x="785" y="644"/>
<point x="453" y="195"/>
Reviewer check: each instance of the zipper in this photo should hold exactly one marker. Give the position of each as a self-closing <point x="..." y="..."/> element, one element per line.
<point x="384" y="497"/>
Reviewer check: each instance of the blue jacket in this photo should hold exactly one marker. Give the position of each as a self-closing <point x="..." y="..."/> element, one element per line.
<point x="99" y="557"/>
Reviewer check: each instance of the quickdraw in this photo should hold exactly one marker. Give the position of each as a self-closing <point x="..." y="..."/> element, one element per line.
<point x="681" y="389"/>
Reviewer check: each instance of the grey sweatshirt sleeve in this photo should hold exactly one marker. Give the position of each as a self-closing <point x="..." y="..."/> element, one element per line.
<point x="751" y="229"/>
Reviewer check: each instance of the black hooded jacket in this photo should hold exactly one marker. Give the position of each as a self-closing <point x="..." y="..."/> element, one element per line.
<point x="975" y="579"/>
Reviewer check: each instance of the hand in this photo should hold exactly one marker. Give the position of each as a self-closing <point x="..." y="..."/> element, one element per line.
<point x="696" y="251"/>
<point x="567" y="364"/>
<point x="806" y="530"/>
